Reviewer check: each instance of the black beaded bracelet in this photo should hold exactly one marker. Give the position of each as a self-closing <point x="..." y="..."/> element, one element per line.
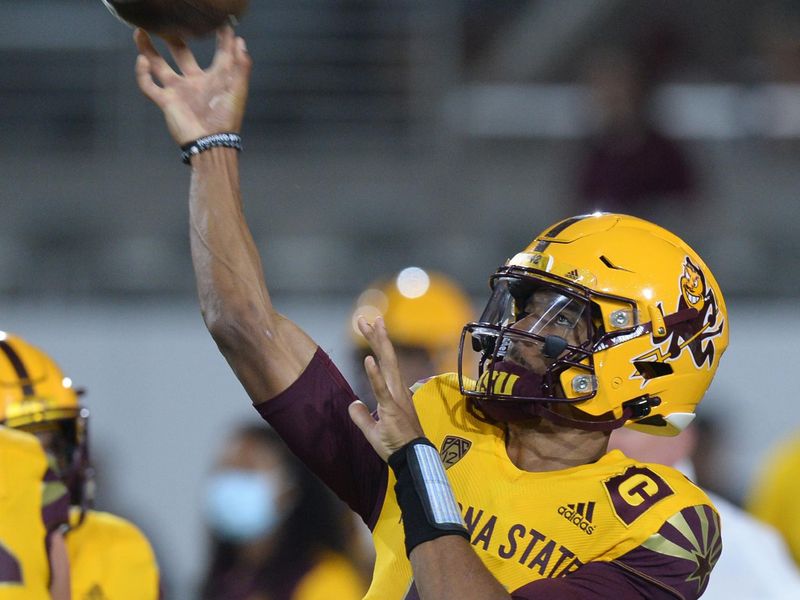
<point x="424" y="495"/>
<point x="215" y="140"/>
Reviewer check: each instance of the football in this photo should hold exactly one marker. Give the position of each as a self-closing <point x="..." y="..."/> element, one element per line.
<point x="182" y="18"/>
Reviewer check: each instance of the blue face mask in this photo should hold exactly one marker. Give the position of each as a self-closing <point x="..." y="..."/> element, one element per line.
<point x="241" y="505"/>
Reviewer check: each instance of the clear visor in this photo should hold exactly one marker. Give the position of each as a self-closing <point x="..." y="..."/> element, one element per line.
<point x="537" y="309"/>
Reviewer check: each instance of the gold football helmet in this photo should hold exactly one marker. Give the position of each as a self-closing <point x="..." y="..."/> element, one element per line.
<point x="603" y="320"/>
<point x="35" y="396"/>
<point x="421" y="309"/>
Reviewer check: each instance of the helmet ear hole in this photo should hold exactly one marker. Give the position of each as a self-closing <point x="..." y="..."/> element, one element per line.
<point x="649" y="369"/>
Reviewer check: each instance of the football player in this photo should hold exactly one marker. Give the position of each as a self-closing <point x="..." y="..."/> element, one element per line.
<point x="109" y="556"/>
<point x="424" y="311"/>
<point x="33" y="516"/>
<point x="603" y="320"/>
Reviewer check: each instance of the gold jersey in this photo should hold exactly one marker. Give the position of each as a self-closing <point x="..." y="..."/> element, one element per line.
<point x="528" y="526"/>
<point x="32" y="503"/>
<point x="110" y="559"/>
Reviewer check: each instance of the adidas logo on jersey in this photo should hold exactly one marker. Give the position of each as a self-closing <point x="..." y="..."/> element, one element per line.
<point x="579" y="514"/>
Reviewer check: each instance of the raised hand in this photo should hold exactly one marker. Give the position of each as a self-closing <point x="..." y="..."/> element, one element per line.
<point x="196" y="102"/>
<point x="397" y="422"/>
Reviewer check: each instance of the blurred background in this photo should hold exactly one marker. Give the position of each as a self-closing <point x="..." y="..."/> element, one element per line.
<point x="382" y="134"/>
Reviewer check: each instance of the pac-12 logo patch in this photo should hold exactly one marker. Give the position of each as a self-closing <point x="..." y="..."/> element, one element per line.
<point x="453" y="450"/>
<point x="634" y="491"/>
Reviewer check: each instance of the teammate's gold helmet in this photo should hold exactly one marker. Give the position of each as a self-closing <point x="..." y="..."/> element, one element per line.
<point x="421" y="309"/>
<point x="36" y="396"/>
<point x="32" y="387"/>
<point x="625" y="321"/>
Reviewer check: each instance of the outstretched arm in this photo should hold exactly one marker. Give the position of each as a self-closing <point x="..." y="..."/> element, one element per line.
<point x="266" y="351"/>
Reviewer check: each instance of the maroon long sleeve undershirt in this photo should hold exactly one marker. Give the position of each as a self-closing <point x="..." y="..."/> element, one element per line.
<point x="311" y="416"/>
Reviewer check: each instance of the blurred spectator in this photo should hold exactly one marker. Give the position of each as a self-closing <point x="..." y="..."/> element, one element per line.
<point x="276" y="532"/>
<point x="755" y="564"/>
<point x="424" y="314"/>
<point x="628" y="165"/>
<point x="777" y="39"/>
<point x="774" y="496"/>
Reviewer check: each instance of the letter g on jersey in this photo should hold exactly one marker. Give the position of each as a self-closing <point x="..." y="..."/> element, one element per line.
<point x="634" y="491"/>
<point x="638" y="489"/>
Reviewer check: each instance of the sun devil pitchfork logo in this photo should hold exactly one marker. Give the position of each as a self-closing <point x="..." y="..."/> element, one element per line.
<point x="696" y="334"/>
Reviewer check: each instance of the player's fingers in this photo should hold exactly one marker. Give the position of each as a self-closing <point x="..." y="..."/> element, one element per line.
<point x="380" y="344"/>
<point x="243" y="65"/>
<point x="226" y="46"/>
<point x="360" y="415"/>
<point x="241" y="56"/>
<point x="377" y="382"/>
<point x="183" y="56"/>
<point x="145" y="80"/>
<point x="227" y="38"/>
<point x="378" y="339"/>
<point x="241" y="47"/>
<point x="158" y="66"/>
<point x="387" y="358"/>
